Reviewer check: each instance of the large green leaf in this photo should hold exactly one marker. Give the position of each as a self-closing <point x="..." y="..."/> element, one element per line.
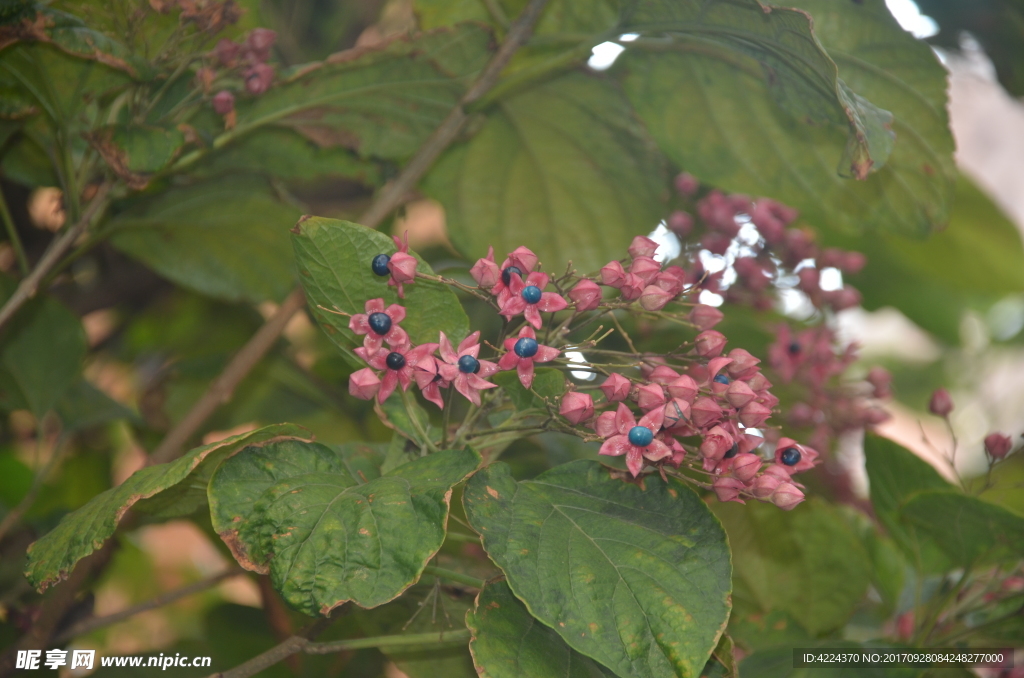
<point x="894" y="474"/>
<point x="634" y="575"/>
<point x="334" y="266"/>
<point x="808" y="563"/>
<point x="382" y="102"/>
<point x="325" y="535"/>
<point x="559" y="17"/>
<point x="547" y="383"/>
<point x="974" y="262"/>
<point x="969" y="531"/>
<point x="85" y="406"/>
<point x="714" y="108"/>
<point x="51" y="558"/>
<point x="508" y="643"/>
<point x="136" y="152"/>
<point x="563" y="168"/>
<point x="227" y="239"/>
<point x="41" y="354"/>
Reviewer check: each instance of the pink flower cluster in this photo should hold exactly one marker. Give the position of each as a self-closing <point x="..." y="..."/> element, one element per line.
<point x="249" y="58"/>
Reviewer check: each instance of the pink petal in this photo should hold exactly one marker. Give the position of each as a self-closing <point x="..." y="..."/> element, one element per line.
<point x="462" y="386"/>
<point x="513" y="307"/>
<point x="525" y="369"/>
<point x="479" y="384"/>
<point x="624" y="419"/>
<point x="396" y="337"/>
<point x="432" y="393"/>
<point x="396" y="312"/>
<point x="634" y="460"/>
<point x="374" y="306"/>
<point x="653" y="419"/>
<point x="532" y="315"/>
<point x="509" y="343"/>
<point x="470" y="345"/>
<point x="508" y="361"/>
<point x="537" y="279"/>
<point x="372" y="342"/>
<point x="449" y="371"/>
<point x="487" y="368"/>
<point x="605" y="425"/>
<point x="545" y="354"/>
<point x="447" y="354"/>
<point x="615" y="446"/>
<point x="527" y="332"/>
<point x="359" y="323"/>
<point x="387" y="385"/>
<point x="657" y="450"/>
<point x="551" y="302"/>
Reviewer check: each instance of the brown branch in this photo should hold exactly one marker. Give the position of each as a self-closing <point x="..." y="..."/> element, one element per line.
<point x="30" y="285"/>
<point x="93" y="623"/>
<point x="391" y="197"/>
<point x="280" y="652"/>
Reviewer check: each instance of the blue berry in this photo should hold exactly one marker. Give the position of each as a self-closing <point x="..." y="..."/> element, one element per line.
<point x="640" y="436"/>
<point x="380" y="265"/>
<point x="395" y="360"/>
<point x="526" y="347"/>
<point x="506" y="275"/>
<point x="469" y="365"/>
<point x="721" y="379"/>
<point x="733" y="451"/>
<point x="791" y="456"/>
<point x="531" y="294"/>
<point x="794" y="347"/>
<point x="380" y="323"/>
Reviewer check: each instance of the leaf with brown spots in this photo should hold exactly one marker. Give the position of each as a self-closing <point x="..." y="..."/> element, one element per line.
<point x="632" y="577"/>
<point x="78" y="534"/>
<point x="299" y="512"/>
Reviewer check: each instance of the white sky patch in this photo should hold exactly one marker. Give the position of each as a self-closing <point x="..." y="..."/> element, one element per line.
<point x="709" y="298"/>
<point x="908" y="14"/>
<point x="830" y="279"/>
<point x="795" y="304"/>
<point x="668" y="244"/>
<point x="628" y="37"/>
<point x="604" y="55"/>
<point x="577" y="357"/>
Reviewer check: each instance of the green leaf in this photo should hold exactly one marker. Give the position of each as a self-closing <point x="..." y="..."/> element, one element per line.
<point x="687" y="93"/>
<point x="547" y="383"/>
<point x="85" y="406"/>
<point x="398" y="418"/>
<point x="381" y="102"/>
<point x="51" y="558"/>
<point x="334" y="266"/>
<point x="508" y="643"/>
<point x="969" y="531"/>
<point x="41" y="353"/>
<point x="563" y="168"/>
<point x="634" y="575"/>
<point x="894" y="474"/>
<point x="325" y="536"/>
<point x="135" y="152"/>
<point x="562" y="16"/>
<point x="227" y="239"/>
<point x="808" y="562"/>
<point x="72" y="36"/>
<point x="287" y="155"/>
<point x="975" y="261"/>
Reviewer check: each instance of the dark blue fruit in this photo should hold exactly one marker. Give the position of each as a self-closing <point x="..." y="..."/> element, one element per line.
<point x="721" y="379"/>
<point x="380" y="323"/>
<point x="526" y="347"/>
<point x="794" y="347"/>
<point x="531" y="294"/>
<point x="640" y="436"/>
<point x="790" y="456"/>
<point x="395" y="360"/>
<point x="733" y="451"/>
<point x="380" y="265"/>
<point x="506" y="275"/>
<point x="469" y="365"/>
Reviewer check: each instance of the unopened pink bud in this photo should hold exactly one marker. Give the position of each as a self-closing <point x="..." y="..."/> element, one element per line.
<point x="705" y="317"/>
<point x="810" y="280"/>
<point x="716" y="443"/>
<point x="830" y="257"/>
<point x="766" y="484"/>
<point x="616" y="388"/>
<point x="650" y="396"/>
<point x="842" y="299"/>
<point x="853" y="262"/>
<point x="364" y="384"/>
<point x="759" y="382"/>
<point x="258" y="78"/>
<point x="998" y="445"/>
<point x="705" y="411"/>
<point x="642" y="246"/>
<point x="787" y="496"/>
<point x="260" y="40"/>
<point x="687" y="184"/>
<point x="716" y="243"/>
<point x="680" y="223"/>
<point x="710" y="343"/>
<point x="645" y="268"/>
<point x="586" y="295"/>
<point x="223" y="102"/>
<point x="654" y="298"/>
<point x="632" y="287"/>
<point x="671" y="280"/>
<point x="881" y="380"/>
<point x="605" y="425"/>
<point x="227" y="51"/>
<point x="743" y="364"/>
<point x="941" y="404"/>
<point x="728" y="489"/>
<point x="485" y="271"/>
<point x="677" y="413"/>
<point x="754" y="414"/>
<point x="612" y="274"/>
<point x="662" y="374"/>
<point x="746" y="466"/>
<point x="739" y="394"/>
<point x="683" y="387"/>
<point x="402" y="267"/>
<point x="576" y="407"/>
<point x="523" y="258"/>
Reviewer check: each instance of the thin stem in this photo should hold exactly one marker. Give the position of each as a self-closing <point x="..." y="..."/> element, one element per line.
<point x="12" y="235"/>
<point x="89" y="625"/>
<point x="452" y="575"/>
<point x="446" y="417"/>
<point x="30" y="284"/>
<point x="428" y="638"/>
<point x="410" y="409"/>
<point x="278" y="653"/>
